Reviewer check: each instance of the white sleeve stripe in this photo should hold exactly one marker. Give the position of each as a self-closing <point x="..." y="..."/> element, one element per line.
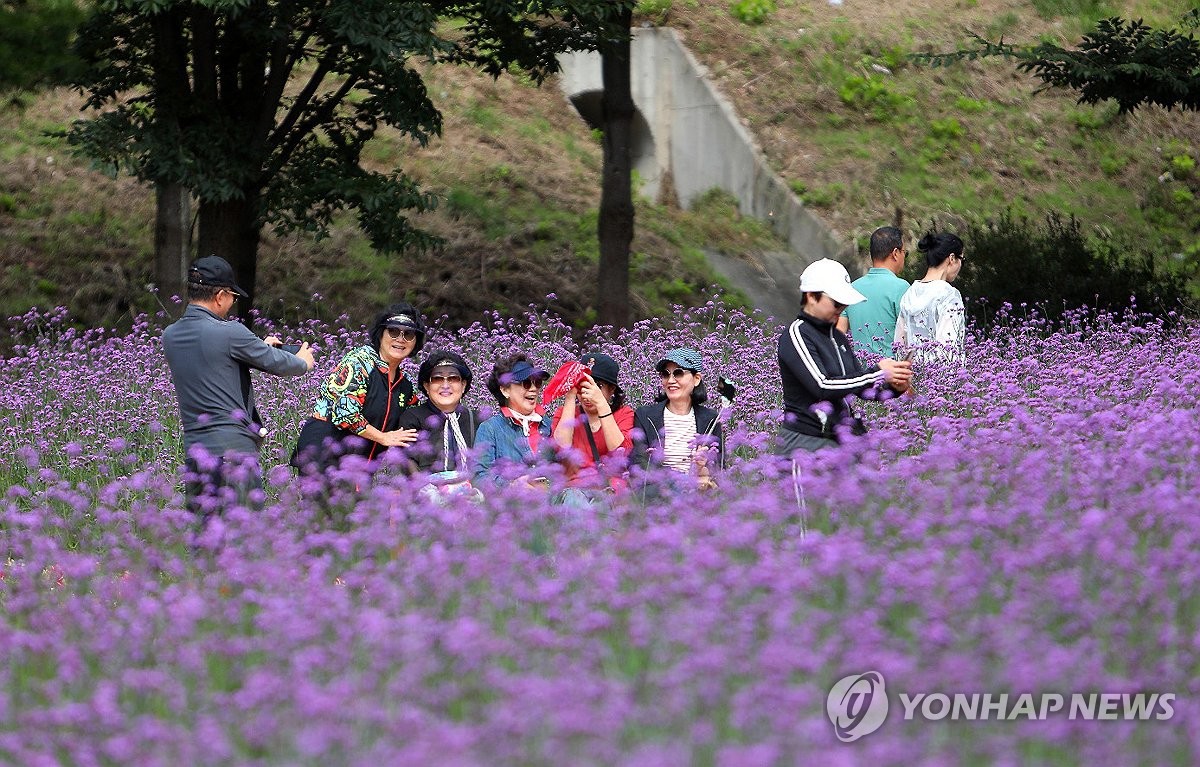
<point x="822" y="381"/>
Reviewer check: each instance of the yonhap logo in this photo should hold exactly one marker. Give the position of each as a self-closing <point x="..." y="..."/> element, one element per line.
<point x="857" y="705"/>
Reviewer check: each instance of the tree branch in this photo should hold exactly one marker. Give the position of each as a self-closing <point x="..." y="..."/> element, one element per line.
<point x="320" y="115"/>
<point x="280" y="135"/>
<point x="282" y="61"/>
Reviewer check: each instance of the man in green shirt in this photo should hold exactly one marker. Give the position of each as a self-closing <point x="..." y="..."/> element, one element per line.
<point x="872" y="323"/>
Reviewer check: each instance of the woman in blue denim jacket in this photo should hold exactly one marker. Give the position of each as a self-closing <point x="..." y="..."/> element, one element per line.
<point x="520" y="432"/>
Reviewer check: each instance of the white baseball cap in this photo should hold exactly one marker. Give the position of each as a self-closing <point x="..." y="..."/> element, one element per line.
<point x="831" y="278"/>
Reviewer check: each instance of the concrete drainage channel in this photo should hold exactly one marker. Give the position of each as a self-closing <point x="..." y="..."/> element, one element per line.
<point x="686" y="130"/>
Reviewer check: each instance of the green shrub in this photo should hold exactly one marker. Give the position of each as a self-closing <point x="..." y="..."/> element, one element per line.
<point x="823" y="197"/>
<point x="947" y="129"/>
<point x="841" y="34"/>
<point x="1003" y="24"/>
<point x="894" y="58"/>
<point x="1087" y="9"/>
<point x="1182" y="165"/>
<point x="871" y="93"/>
<point x="1054" y="266"/>
<point x="1110" y="165"/>
<point x="752" y="11"/>
<point x="654" y="10"/>
<point x="1093" y="118"/>
<point x="969" y="105"/>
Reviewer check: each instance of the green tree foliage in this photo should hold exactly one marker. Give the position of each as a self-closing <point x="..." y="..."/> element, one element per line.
<point x="1054" y="266"/>
<point x="1126" y="61"/>
<point x="35" y="42"/>
<point x="261" y="108"/>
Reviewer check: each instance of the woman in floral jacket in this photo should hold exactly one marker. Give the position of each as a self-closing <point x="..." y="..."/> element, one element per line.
<point x="358" y="409"/>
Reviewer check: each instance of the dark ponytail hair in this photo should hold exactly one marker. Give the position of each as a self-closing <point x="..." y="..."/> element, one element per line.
<point x="938" y="246"/>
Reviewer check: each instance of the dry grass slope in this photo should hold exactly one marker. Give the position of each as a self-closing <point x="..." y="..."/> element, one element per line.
<point x="861" y="133"/>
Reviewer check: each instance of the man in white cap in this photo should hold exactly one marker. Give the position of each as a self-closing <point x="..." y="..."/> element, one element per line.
<point x="819" y="369"/>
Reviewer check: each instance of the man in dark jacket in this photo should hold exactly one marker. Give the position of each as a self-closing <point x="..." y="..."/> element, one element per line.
<point x="210" y="359"/>
<point x="818" y="368"/>
<point x="446" y="426"/>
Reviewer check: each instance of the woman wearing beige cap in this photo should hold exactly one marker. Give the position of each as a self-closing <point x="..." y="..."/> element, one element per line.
<point x="818" y="366"/>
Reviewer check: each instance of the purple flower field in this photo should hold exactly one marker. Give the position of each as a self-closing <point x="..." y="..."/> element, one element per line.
<point x="1027" y="524"/>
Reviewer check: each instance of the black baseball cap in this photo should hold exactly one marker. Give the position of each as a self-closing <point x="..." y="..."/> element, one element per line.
<point x="604" y="368"/>
<point x="443" y="359"/>
<point x="215" y="272"/>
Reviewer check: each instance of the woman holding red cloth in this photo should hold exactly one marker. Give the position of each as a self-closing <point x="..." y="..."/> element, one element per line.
<point x="594" y="421"/>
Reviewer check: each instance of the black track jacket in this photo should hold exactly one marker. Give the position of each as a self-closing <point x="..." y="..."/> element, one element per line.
<point x="817" y="366"/>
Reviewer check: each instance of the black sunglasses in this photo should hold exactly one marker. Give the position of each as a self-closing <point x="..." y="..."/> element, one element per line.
<point x="406" y="333"/>
<point x="836" y="304"/>
<point x="677" y="374"/>
<point x="533" y="382"/>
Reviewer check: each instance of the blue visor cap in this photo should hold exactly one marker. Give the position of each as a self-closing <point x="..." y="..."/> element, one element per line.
<point x="523" y="371"/>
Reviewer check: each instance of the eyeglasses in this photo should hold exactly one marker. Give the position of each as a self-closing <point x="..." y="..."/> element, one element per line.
<point x="677" y="374"/>
<point x="453" y="378"/>
<point x="836" y="304"/>
<point x="533" y="382"/>
<point x="960" y="258"/>
<point x="232" y="295"/>
<point x="405" y="333"/>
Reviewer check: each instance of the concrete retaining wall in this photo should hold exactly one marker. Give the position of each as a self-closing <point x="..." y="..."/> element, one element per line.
<point x="697" y="138"/>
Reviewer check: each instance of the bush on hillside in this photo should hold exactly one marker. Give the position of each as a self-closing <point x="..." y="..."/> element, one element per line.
<point x="1054" y="266"/>
<point x="752" y="11"/>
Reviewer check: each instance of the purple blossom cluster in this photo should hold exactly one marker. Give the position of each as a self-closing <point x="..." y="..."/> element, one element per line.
<point x="1025" y="523"/>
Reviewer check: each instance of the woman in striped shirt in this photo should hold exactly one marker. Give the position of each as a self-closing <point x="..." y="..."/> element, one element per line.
<point x="678" y="431"/>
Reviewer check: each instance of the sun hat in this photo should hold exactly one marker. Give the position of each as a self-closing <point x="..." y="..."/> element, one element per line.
<point x="399" y="315"/>
<point x="831" y="278"/>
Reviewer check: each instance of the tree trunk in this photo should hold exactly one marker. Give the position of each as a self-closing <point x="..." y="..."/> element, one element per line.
<point x="172" y="218"/>
<point x="172" y="238"/>
<point x="615" y="228"/>
<point x="230" y="230"/>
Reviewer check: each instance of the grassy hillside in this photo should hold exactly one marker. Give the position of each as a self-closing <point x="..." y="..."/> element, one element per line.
<point x="863" y="135"/>
<point x="517" y="174"/>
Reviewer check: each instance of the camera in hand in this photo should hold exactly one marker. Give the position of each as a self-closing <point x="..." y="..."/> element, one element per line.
<point x="290" y="348"/>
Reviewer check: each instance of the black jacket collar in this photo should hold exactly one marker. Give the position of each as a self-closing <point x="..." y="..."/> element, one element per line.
<point x="820" y="325"/>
